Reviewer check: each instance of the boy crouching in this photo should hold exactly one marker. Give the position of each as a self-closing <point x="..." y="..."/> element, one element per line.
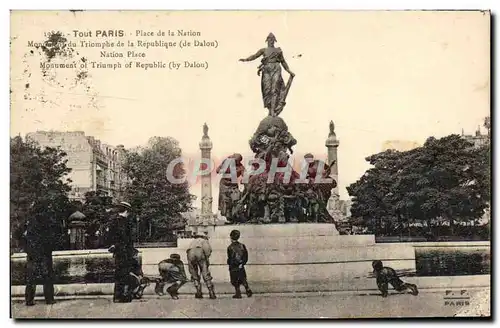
<point x="171" y="271"/>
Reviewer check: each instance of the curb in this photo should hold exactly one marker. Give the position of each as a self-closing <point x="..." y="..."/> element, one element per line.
<point x="226" y="293"/>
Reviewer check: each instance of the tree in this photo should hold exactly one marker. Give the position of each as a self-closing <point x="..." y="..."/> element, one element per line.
<point x="371" y="192"/>
<point x="446" y="179"/>
<point x="158" y="201"/>
<point x="484" y="160"/>
<point x="36" y="176"/>
<point x="487" y="124"/>
<point x="95" y="206"/>
<point x="450" y="177"/>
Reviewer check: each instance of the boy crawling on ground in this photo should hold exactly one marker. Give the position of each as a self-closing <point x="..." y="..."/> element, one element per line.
<point x="386" y="275"/>
<point x="171" y="271"/>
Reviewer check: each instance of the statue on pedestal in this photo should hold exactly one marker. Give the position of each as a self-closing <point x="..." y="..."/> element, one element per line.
<point x="205" y="130"/>
<point x="274" y="90"/>
<point x="229" y="192"/>
<point x="332" y="129"/>
<point x="278" y="198"/>
<point x="317" y="194"/>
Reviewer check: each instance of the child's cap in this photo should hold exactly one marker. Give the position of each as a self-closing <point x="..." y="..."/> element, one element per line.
<point x="377" y="265"/>
<point x="175" y="256"/>
<point x="203" y="235"/>
<point x="235" y="235"/>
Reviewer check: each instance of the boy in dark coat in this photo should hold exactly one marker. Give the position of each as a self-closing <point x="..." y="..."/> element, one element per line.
<point x="172" y="271"/>
<point x="386" y="275"/>
<point x="237" y="257"/>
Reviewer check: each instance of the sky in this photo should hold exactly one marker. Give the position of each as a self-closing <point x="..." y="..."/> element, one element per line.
<point x="380" y="76"/>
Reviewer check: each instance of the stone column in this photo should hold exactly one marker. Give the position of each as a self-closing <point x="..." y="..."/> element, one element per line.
<point x="206" y="216"/>
<point x="332" y="144"/>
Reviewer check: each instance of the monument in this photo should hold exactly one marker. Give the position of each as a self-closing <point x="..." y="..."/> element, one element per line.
<point x="332" y="144"/>
<point x="275" y="192"/>
<point x="281" y="214"/>
<point x="229" y="192"/>
<point x="206" y="217"/>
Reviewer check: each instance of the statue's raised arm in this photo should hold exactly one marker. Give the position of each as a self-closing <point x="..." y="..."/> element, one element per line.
<point x="254" y="56"/>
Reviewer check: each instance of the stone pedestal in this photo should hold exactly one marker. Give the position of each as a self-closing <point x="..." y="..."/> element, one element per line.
<point x="294" y="252"/>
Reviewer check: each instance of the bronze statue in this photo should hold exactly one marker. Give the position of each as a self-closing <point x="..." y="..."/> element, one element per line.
<point x="229" y="192"/>
<point x="281" y="198"/>
<point x="332" y="129"/>
<point x="272" y="139"/>
<point x="254" y="199"/>
<point x="274" y="90"/>
<point x="205" y="130"/>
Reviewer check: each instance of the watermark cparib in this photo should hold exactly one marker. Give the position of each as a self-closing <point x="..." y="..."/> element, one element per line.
<point x="233" y="171"/>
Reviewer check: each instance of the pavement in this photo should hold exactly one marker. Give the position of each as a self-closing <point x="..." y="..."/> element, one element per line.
<point x="349" y="286"/>
<point x="277" y="306"/>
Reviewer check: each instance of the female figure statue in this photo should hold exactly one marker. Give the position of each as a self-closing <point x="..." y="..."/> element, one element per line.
<point x="272" y="84"/>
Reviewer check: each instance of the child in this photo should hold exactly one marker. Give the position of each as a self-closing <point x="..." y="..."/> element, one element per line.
<point x="237" y="257"/>
<point x="198" y="255"/>
<point x="386" y="275"/>
<point x="136" y="282"/>
<point x="172" y="271"/>
<point x="139" y="283"/>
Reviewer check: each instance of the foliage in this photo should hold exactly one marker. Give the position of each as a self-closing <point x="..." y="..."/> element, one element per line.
<point x="156" y="200"/>
<point x="445" y="180"/>
<point x="487" y="124"/>
<point x="37" y="176"/>
<point x="95" y="207"/>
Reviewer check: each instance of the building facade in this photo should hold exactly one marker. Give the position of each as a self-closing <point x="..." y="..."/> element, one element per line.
<point x="400" y="145"/>
<point x="478" y="139"/>
<point x="95" y="166"/>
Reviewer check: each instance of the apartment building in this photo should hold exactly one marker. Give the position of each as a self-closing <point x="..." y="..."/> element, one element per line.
<point x="95" y="166"/>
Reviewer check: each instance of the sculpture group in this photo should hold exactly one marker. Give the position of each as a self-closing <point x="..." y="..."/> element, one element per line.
<point x="274" y="200"/>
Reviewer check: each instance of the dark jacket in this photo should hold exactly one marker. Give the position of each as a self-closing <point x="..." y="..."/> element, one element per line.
<point x="121" y="235"/>
<point x="386" y="275"/>
<point x="41" y="236"/>
<point x="237" y="255"/>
